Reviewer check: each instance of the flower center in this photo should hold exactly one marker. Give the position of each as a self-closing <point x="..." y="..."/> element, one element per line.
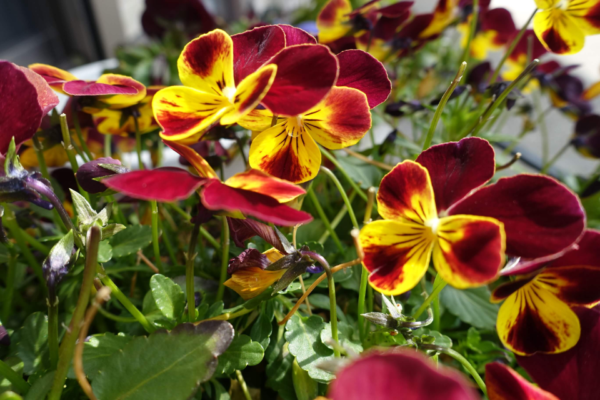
<point x="229" y="92"/>
<point x="432" y="224"/>
<point x="562" y="4"/>
<point x="295" y="126"/>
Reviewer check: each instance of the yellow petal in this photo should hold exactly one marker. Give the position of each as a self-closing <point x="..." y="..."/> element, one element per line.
<point x="546" y="4"/>
<point x="333" y="22"/>
<point x="558" y="32"/>
<point x="586" y="13"/>
<point x="258" y="120"/>
<point x="250" y="282"/>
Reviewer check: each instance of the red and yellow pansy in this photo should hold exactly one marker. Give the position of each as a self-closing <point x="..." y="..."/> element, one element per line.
<point x="249" y="278"/>
<point x="562" y="25"/>
<point x="436" y="208"/>
<point x="536" y="315"/>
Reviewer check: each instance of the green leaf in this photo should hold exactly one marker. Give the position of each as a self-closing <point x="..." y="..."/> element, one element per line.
<point x="591" y="204"/>
<point x="304" y="336"/>
<point x="168" y="296"/>
<point x="440" y="340"/>
<point x="366" y="175"/>
<point x="9" y="395"/>
<point x="347" y="337"/>
<point x="131" y="240"/>
<point x="32" y="347"/>
<point x="262" y="329"/>
<point x="322" y="301"/>
<point x="97" y="350"/>
<point x="305" y="387"/>
<point x="241" y="353"/>
<point x="85" y="213"/>
<point x="471" y="306"/>
<point x="220" y="392"/>
<point x="41" y="387"/>
<point x="164" y="365"/>
<point x="279" y="369"/>
<point x="111" y="230"/>
<point x="105" y="252"/>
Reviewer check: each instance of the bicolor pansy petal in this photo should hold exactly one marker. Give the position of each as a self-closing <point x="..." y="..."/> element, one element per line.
<point x="574" y="285"/>
<point x="469" y="251"/>
<point x="305" y="75"/>
<point x="503" y="383"/>
<point x="133" y="91"/>
<point x="202" y="167"/>
<point x="559" y="32"/>
<point x="183" y="112"/>
<point x="168" y="184"/>
<point x="294" y="35"/>
<point x="340" y="120"/>
<point x="362" y="71"/>
<point x="252" y="281"/>
<point x="206" y="63"/>
<point x="258" y="120"/>
<point x="252" y="49"/>
<point x="397" y="254"/>
<point x="541" y="216"/>
<point x="333" y="21"/>
<point x="286" y="151"/>
<point x="457" y="168"/>
<point x="586" y="14"/>
<point x="406" y="194"/>
<point x="55" y="77"/>
<point x="534" y="320"/>
<point x="584" y="252"/>
<point x="259" y="182"/>
<point x="218" y="196"/>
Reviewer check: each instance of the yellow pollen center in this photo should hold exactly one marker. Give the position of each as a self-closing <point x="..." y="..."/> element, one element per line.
<point x="229" y="93"/>
<point x="294" y="126"/>
<point x="433" y="224"/>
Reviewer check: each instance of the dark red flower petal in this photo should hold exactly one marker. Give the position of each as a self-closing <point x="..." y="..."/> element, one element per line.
<point x="252" y="49"/>
<point x="541" y="216"/>
<point x="164" y="184"/>
<point x="362" y="71"/>
<point x="294" y="36"/>
<point x="402" y="374"/>
<point x="25" y="98"/>
<point x="305" y="74"/>
<point x="499" y="20"/>
<point x="218" y="196"/>
<point x="243" y="229"/>
<point x="249" y="258"/>
<point x="586" y="252"/>
<point x="503" y="383"/>
<point x="574" y="373"/>
<point x="456" y="168"/>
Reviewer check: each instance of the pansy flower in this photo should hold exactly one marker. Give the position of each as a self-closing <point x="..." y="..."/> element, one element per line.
<point x="24" y="100"/>
<point x="518" y="59"/>
<point x="287" y="145"/>
<point x="111" y="91"/>
<point x="251" y="193"/>
<point x="249" y="276"/>
<point x="536" y="315"/>
<point x="437" y="208"/>
<point x="587" y="136"/>
<point x="226" y="77"/>
<point x="574" y="373"/>
<point x="563" y="25"/>
<point x="503" y="383"/>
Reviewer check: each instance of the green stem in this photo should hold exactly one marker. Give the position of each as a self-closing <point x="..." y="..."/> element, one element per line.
<point x="333" y="312"/>
<point x="482" y="120"/>
<point x="562" y="150"/>
<point x="53" y="332"/>
<point x="14" y="378"/>
<point x="84" y="146"/>
<point x="189" y="273"/>
<point x="67" y="347"/>
<point x="224" y="258"/>
<point x="243" y="385"/>
<point x="321" y="212"/>
<point x="107" y="146"/>
<point x="118" y="294"/>
<point x="467" y="365"/>
<point x="138" y="143"/>
<point x="168" y="244"/>
<point x="39" y="152"/>
<point x="66" y="135"/>
<point x="362" y="292"/>
<point x="35" y="243"/>
<point x="343" y="194"/>
<point x="155" y="234"/>
<point x="338" y="218"/>
<point x="472" y="30"/>
<point x="335" y="162"/>
<point x="203" y="231"/>
<point x="10" y="287"/>
<point x="118" y="318"/>
<point x="438" y="285"/>
<point x="440" y="107"/>
<point x="511" y="48"/>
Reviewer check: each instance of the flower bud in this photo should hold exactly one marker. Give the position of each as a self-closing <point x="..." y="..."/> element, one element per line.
<point x="101" y="167"/>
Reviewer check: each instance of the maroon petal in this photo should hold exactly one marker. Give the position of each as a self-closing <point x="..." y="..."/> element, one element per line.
<point x="541" y="216"/>
<point x="499" y="20"/>
<point x="25" y="98"/>
<point x="165" y="184"/>
<point x="294" y="36"/>
<point x="503" y="383"/>
<point x="585" y="252"/>
<point x="396" y="10"/>
<point x="243" y="229"/>
<point x="456" y="168"/>
<point x="254" y="48"/>
<point x="91" y="170"/>
<point x="83" y="88"/>
<point x="249" y="258"/>
<point x="362" y="71"/>
<point x="305" y="75"/>
<point x="574" y="373"/>
<point x="403" y="374"/>
<point x="218" y="196"/>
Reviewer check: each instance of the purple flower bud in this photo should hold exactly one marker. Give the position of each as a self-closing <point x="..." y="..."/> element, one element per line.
<point x="4" y="338"/>
<point x="248" y="259"/>
<point x="96" y="169"/>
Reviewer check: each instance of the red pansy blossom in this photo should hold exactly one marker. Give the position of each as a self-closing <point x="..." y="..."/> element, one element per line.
<point x="574" y="373"/>
<point x="25" y="99"/>
<point x="251" y="193"/>
<point x="404" y="374"/>
<point x="438" y="206"/>
<point x="536" y="315"/>
<point x="503" y="383"/>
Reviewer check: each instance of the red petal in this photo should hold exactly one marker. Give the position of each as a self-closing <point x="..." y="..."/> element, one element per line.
<point x="252" y="49"/>
<point x="160" y="184"/>
<point x="294" y="36"/>
<point x="574" y="373"/>
<point x="402" y="374"/>
<point x="259" y="182"/>
<point x="305" y="74"/>
<point x="362" y="71"/>
<point x="24" y="100"/>
<point x="584" y="253"/>
<point x="505" y="384"/>
<point x="396" y="10"/>
<point x="541" y="216"/>
<point x="576" y="285"/>
<point x="83" y="88"/>
<point x="456" y="168"/>
<point x="500" y="21"/>
<point x="218" y="196"/>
